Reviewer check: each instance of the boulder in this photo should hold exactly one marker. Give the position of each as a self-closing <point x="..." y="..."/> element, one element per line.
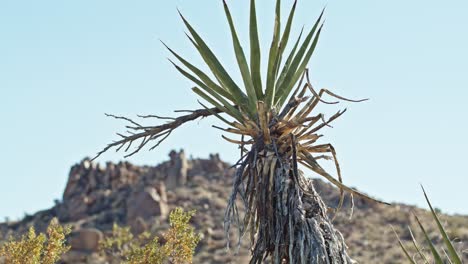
<point x="86" y="239"/>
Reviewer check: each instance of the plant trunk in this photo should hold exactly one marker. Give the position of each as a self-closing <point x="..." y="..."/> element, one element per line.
<point x="285" y="217"/>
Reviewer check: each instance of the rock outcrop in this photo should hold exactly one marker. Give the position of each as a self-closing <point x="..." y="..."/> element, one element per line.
<point x="176" y="174"/>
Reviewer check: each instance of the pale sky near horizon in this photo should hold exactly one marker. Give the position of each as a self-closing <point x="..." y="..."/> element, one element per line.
<point x="63" y="64"/>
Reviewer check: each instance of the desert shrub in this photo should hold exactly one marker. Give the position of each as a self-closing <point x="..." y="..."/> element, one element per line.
<point x="179" y="247"/>
<point x="34" y="248"/>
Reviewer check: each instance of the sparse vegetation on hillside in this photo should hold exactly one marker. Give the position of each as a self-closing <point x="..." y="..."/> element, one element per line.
<point x="368" y="234"/>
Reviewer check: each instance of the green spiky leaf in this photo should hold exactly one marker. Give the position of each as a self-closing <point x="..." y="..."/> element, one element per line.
<point x="416" y="246"/>
<point x="288" y="62"/>
<point x="218" y="70"/>
<point x="212" y="101"/>
<point x="285" y="38"/>
<point x="448" y="243"/>
<point x="285" y="86"/>
<point x="408" y="256"/>
<point x="242" y="62"/>
<point x="301" y="69"/>
<point x="215" y="114"/>
<point x="203" y="77"/>
<point x="270" y="86"/>
<point x="255" y="53"/>
<point x="227" y="107"/>
<point x="435" y="254"/>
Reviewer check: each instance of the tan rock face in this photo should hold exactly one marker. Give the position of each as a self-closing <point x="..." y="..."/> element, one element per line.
<point x="92" y="188"/>
<point x="86" y="239"/>
<point x="77" y="208"/>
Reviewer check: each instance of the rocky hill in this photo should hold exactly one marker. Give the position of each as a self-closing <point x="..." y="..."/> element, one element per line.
<point x="97" y="196"/>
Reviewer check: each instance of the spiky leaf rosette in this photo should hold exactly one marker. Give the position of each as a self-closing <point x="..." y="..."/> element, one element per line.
<point x="274" y="116"/>
<point x="263" y="115"/>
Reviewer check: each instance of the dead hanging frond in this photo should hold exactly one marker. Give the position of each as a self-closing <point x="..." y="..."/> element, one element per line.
<point x="143" y="135"/>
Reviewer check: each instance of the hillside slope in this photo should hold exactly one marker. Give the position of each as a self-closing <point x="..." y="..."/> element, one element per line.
<point x="96" y="196"/>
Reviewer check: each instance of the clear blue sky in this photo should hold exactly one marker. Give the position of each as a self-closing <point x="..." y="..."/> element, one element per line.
<point x="63" y="64"/>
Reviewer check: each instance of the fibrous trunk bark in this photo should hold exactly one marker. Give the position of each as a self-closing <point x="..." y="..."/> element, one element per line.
<point x="285" y="217"/>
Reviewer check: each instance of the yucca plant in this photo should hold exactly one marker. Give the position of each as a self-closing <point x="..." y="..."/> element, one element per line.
<point x="272" y="114"/>
<point x="447" y="255"/>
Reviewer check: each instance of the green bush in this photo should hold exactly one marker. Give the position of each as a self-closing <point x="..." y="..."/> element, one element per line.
<point x="35" y="248"/>
<point x="181" y="241"/>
